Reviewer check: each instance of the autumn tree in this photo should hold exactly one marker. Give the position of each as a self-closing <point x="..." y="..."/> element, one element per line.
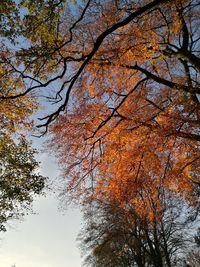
<point x="132" y="100"/>
<point x="124" y="79"/>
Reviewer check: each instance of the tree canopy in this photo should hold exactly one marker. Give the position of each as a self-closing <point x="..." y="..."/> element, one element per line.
<point x="123" y="80"/>
<point x="130" y="101"/>
<point x="19" y="179"/>
<point x="114" y="236"/>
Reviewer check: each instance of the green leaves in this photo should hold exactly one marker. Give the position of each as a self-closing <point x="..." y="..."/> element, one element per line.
<point x="19" y="180"/>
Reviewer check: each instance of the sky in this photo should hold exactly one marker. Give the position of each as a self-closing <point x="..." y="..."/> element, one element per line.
<point x="44" y="239"/>
<point x="47" y="238"/>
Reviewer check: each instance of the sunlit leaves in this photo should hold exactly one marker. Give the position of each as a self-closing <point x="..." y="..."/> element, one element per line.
<point x="132" y="122"/>
<point x="125" y="76"/>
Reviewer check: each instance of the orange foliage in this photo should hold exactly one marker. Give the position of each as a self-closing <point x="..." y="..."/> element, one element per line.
<point x="133" y="119"/>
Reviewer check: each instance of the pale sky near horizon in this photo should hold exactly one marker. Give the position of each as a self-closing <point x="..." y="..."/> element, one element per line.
<point x="45" y="239"/>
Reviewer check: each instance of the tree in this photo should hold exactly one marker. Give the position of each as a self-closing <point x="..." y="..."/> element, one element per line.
<point x="133" y="116"/>
<point x="19" y="180"/>
<point x="116" y="236"/>
<point x="127" y="92"/>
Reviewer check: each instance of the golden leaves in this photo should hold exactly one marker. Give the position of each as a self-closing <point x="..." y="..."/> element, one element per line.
<point x="15" y="114"/>
<point x="121" y="138"/>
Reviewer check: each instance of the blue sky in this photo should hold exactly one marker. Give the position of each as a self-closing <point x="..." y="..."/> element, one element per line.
<point x="46" y="239"/>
